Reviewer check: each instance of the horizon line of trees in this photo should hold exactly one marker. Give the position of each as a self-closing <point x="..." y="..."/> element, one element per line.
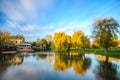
<point x="105" y="35"/>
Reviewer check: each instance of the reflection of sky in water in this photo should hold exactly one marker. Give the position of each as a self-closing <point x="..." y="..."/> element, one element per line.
<point x="37" y="67"/>
<point x="94" y="61"/>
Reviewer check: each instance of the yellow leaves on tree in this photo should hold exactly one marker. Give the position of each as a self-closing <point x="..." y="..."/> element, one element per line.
<point x="94" y="44"/>
<point x="5" y="38"/>
<point x="79" y="40"/>
<point x="115" y="42"/>
<point x="62" y="41"/>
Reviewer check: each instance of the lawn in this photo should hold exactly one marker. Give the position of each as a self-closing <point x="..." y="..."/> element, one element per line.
<point x="113" y="52"/>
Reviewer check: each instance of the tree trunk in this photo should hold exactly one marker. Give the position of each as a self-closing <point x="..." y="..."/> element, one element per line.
<point x="0" y="47"/>
<point x="106" y="50"/>
<point x="83" y="50"/>
<point x="107" y="58"/>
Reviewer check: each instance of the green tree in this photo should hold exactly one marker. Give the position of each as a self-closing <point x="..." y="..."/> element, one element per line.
<point x="42" y="43"/>
<point x="85" y="42"/>
<point x="49" y="39"/>
<point x="105" y="29"/>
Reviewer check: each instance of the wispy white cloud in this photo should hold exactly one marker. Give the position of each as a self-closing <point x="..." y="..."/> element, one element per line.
<point x="29" y="28"/>
<point x="24" y="16"/>
<point x="24" y="10"/>
<point x="37" y="28"/>
<point x="70" y="28"/>
<point x="11" y="10"/>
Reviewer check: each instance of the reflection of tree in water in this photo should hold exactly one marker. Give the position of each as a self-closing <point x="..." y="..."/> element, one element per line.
<point x="79" y="63"/>
<point x="47" y="57"/>
<point x="106" y="71"/>
<point x="62" y="62"/>
<point x="7" y="60"/>
<point x="41" y="56"/>
<point x="78" y="67"/>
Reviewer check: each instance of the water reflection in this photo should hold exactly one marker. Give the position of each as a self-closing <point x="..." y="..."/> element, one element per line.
<point x="78" y="62"/>
<point x="58" y="66"/>
<point x="107" y="70"/>
<point x="8" y="60"/>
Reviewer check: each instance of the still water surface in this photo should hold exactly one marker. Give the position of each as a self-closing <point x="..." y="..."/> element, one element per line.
<point x="54" y="66"/>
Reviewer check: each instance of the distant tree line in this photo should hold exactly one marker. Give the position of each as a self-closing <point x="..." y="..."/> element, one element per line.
<point x="43" y="44"/>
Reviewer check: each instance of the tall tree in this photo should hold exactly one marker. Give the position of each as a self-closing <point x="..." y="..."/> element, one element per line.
<point x="5" y="39"/>
<point x="62" y="41"/>
<point x="105" y="29"/>
<point x="79" y="40"/>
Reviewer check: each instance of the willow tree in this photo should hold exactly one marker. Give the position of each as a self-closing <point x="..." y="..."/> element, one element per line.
<point x="79" y="40"/>
<point x="105" y="29"/>
<point x="62" y="41"/>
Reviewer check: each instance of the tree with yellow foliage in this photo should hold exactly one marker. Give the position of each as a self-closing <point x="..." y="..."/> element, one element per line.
<point x="5" y="39"/>
<point x="79" y="40"/>
<point x="62" y="41"/>
<point x="118" y="43"/>
<point x="115" y="42"/>
<point x="94" y="44"/>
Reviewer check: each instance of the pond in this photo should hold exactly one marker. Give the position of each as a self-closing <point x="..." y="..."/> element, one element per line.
<point x="58" y="66"/>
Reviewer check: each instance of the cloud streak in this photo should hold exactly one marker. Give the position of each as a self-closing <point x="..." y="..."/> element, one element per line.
<point x="24" y="10"/>
<point x="70" y="28"/>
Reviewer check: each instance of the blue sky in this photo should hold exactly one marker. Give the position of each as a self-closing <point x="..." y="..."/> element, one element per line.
<point x="37" y="18"/>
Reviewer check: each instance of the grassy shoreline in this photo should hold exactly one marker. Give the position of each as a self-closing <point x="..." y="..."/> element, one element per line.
<point x="113" y="52"/>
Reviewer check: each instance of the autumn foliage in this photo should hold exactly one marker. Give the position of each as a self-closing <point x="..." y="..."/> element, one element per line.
<point x="63" y="42"/>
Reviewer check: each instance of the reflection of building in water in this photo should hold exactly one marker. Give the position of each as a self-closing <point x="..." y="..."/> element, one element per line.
<point x="103" y="58"/>
<point x="7" y="60"/>
<point x="17" y="60"/>
<point x="11" y="59"/>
